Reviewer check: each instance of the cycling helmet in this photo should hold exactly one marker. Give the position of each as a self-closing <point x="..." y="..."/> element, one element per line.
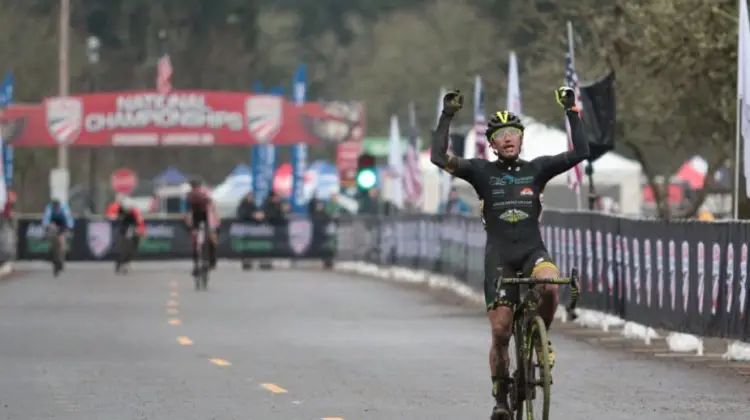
<point x="55" y="203"/>
<point x="502" y="119"/>
<point x="195" y="183"/>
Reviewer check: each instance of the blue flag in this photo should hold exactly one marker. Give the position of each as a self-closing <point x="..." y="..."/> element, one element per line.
<point x="6" y="91"/>
<point x="6" y="98"/>
<point x="263" y="165"/>
<point x="299" y="150"/>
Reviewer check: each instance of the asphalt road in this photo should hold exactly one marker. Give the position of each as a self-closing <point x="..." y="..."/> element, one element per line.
<point x="292" y="345"/>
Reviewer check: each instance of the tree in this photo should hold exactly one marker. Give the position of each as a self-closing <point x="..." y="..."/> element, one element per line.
<point x="675" y="62"/>
<point x="409" y="54"/>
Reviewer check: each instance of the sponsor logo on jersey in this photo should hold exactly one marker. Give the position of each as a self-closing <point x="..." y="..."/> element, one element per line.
<point x="508" y="179"/>
<point x="514" y="216"/>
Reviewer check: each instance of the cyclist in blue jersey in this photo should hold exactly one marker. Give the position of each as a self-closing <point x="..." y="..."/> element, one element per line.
<point x="58" y="220"/>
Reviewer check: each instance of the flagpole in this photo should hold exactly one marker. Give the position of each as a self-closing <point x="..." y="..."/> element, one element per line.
<point x="737" y="161"/>
<point x="572" y="50"/>
<point x="62" y="151"/>
<point x="738" y="126"/>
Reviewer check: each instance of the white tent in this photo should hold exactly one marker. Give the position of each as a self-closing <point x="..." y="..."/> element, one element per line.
<point x="609" y="170"/>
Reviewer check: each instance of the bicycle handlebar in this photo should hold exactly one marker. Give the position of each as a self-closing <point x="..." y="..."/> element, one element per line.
<point x="572" y="281"/>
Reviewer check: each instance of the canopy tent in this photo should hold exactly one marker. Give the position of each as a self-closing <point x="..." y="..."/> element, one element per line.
<point x="611" y="171"/>
<point x="235" y="186"/>
<point x="321" y="180"/>
<point x="241" y="169"/>
<point x="171" y="176"/>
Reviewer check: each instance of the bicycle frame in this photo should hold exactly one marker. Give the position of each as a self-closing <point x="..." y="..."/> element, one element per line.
<point x="200" y="242"/>
<point x="529" y="302"/>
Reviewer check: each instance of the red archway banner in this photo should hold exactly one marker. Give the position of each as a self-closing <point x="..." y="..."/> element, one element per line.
<point x="180" y="118"/>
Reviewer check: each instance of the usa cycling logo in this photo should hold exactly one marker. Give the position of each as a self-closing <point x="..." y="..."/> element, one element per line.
<point x="300" y="235"/>
<point x="64" y="118"/>
<point x="265" y="116"/>
<point x="99" y="238"/>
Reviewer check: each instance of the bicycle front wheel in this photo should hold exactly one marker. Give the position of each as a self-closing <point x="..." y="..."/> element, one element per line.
<point x="205" y="264"/>
<point x="538" y="375"/>
<point x="517" y="370"/>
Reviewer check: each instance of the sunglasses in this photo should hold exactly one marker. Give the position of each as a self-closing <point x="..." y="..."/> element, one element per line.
<point x="506" y="131"/>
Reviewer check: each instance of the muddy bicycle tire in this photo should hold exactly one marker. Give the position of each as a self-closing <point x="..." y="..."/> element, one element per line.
<point x="518" y="375"/>
<point x="537" y="386"/>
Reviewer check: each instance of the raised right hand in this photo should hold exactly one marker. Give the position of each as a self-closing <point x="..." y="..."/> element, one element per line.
<point x="453" y="102"/>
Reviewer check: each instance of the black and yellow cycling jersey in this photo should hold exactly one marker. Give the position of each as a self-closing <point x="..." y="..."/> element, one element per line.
<point x="510" y="192"/>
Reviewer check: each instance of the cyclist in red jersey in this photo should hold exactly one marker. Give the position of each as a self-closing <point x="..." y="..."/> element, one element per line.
<point x="201" y="208"/>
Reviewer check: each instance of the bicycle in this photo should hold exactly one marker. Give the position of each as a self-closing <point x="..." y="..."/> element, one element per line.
<point x="125" y="250"/>
<point x="204" y="263"/>
<point x="57" y="249"/>
<point x="529" y="333"/>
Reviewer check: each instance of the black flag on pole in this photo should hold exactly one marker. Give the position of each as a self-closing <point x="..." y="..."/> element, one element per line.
<point x="599" y="103"/>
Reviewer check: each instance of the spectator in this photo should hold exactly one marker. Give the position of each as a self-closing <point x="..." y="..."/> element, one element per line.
<point x="9" y="204"/>
<point x="274" y="209"/>
<point x="248" y="210"/>
<point x="333" y="208"/>
<point x="454" y="205"/>
<point x="312" y="205"/>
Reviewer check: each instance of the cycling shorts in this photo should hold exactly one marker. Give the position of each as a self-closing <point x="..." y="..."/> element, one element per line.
<point x="60" y="223"/>
<point x="198" y="217"/>
<point x="497" y="265"/>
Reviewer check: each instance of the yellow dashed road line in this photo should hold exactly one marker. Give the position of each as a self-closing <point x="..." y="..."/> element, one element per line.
<point x="172" y="303"/>
<point x="173" y="311"/>
<point x="332" y="418"/>
<point x="185" y="341"/>
<point x="274" y="388"/>
<point x="219" y="362"/>
<point x="174" y="322"/>
<point x="173" y="283"/>
<point x="173" y="293"/>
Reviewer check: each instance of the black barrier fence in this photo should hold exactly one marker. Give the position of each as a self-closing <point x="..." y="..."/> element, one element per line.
<point x="93" y="240"/>
<point x="681" y="276"/>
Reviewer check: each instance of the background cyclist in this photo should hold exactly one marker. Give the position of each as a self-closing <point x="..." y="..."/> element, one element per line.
<point x="200" y="208"/>
<point x="58" y="215"/>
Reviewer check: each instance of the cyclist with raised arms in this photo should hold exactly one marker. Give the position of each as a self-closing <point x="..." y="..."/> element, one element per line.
<point x="510" y="190"/>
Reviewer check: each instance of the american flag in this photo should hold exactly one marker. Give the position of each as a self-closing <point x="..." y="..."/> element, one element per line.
<point x="164" y="74"/>
<point x="412" y="173"/>
<point x="571" y="79"/>
<point x="480" y="122"/>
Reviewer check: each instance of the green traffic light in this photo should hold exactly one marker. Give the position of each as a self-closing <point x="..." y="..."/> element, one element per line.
<point x="367" y="178"/>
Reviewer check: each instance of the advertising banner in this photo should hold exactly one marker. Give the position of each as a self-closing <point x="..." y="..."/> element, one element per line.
<point x="94" y="240"/>
<point x="680" y="276"/>
<point x="180" y="118"/>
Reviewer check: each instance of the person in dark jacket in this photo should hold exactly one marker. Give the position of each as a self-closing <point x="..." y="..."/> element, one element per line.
<point x="274" y="209"/>
<point x="248" y="211"/>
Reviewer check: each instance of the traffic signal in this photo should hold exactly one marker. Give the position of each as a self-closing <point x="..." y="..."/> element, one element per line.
<point x="367" y="175"/>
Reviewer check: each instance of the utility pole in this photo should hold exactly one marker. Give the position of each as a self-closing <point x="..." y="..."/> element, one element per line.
<point x="64" y="76"/>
